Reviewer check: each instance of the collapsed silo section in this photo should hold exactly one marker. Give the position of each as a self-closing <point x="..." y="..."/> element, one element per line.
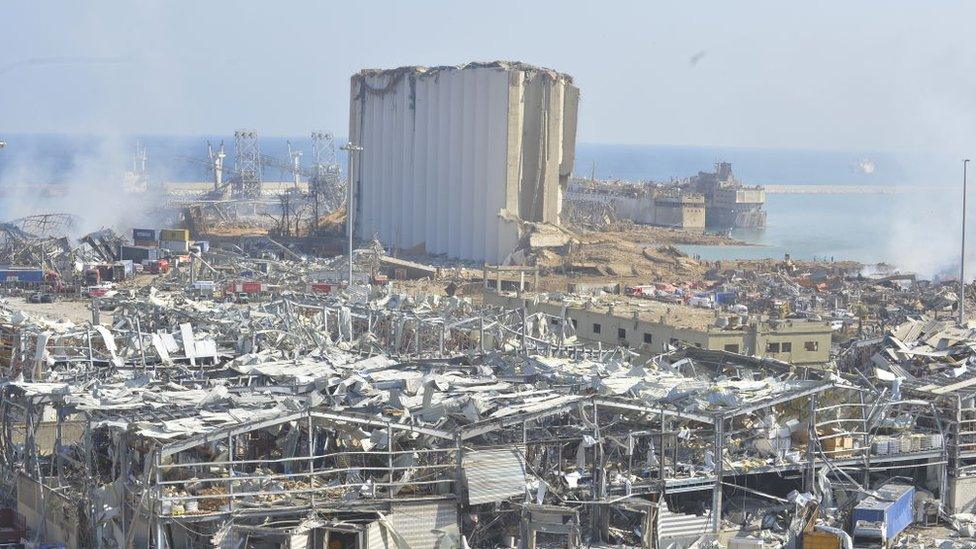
<point x="455" y="158"/>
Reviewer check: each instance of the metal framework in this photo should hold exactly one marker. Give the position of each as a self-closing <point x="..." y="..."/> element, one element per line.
<point x="326" y="184"/>
<point x="388" y="416"/>
<point x="247" y="164"/>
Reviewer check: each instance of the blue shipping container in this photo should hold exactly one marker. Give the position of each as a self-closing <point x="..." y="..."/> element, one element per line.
<point x="143" y="235"/>
<point x="8" y="274"/>
<point x="724" y="297"/>
<point x="896" y="509"/>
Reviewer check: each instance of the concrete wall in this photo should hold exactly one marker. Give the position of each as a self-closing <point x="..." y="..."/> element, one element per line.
<point x="679" y="212"/>
<point x="962" y="495"/>
<point x="45" y="510"/>
<point x="636" y="332"/>
<point x="453" y="156"/>
<point x="693" y="217"/>
<point x="669" y="214"/>
<point x="47" y="433"/>
<point x="638" y="210"/>
<point x="797" y="342"/>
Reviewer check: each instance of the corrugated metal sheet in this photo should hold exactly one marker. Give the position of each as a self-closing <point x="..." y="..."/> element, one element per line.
<point x="679" y="525"/>
<point x="421" y="525"/>
<point x="375" y="538"/>
<point x="493" y="475"/>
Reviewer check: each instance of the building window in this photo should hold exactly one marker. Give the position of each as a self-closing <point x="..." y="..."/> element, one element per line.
<point x="621" y="333"/>
<point x="787" y="347"/>
<point x="648" y="338"/>
<point x="811" y="346"/>
<point x="732" y="347"/>
<point x="772" y="347"/>
<point x="596" y="328"/>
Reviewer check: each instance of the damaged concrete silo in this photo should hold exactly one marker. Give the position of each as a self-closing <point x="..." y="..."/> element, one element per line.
<point x="455" y="158"/>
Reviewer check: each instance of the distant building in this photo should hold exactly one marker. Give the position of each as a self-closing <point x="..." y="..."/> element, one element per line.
<point x="648" y="326"/>
<point x="455" y="158"/>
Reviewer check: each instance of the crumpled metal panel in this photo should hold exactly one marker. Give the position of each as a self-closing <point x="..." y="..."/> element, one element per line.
<point x="493" y="475"/>
<point x="676" y="525"/>
<point x="419" y="525"/>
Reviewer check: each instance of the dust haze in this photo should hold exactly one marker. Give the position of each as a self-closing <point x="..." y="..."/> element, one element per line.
<point x="86" y="182"/>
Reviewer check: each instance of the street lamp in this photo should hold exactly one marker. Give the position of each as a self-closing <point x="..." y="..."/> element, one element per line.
<point x="350" y="148"/>
<point x="962" y="258"/>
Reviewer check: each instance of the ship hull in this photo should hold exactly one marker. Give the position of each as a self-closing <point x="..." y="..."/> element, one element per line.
<point x="735" y="217"/>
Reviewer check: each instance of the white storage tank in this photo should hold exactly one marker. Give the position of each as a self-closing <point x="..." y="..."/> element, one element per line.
<point x="454" y="157"/>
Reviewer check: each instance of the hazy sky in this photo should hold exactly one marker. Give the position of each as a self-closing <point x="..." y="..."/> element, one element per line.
<point x="886" y="74"/>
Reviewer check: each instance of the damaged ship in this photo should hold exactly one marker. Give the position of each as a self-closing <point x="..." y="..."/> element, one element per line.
<point x="710" y="200"/>
<point x="728" y="203"/>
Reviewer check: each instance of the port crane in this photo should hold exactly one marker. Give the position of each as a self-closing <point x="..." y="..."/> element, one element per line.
<point x="325" y="185"/>
<point x="223" y="178"/>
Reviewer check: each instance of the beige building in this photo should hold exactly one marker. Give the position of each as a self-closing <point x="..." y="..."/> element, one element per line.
<point x="646" y="326"/>
<point x="685" y="210"/>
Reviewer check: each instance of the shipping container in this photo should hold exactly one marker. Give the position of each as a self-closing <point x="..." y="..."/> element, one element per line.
<point x="251" y="287"/>
<point x="143" y="235"/>
<point x="725" y="297"/>
<point x="816" y="539"/>
<point x="138" y="253"/>
<point x="146" y="243"/>
<point x="175" y="234"/>
<point x="21" y="274"/>
<point x="204" y="286"/>
<point x="246" y="287"/>
<point x="176" y="246"/>
<point x="886" y="516"/>
<point x="321" y="287"/>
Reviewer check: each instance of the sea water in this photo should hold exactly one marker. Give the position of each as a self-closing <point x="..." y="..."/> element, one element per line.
<point x="912" y="221"/>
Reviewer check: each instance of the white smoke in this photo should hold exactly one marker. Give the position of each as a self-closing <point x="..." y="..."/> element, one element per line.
<point x="90" y="188"/>
<point x="924" y="234"/>
<point x="938" y="118"/>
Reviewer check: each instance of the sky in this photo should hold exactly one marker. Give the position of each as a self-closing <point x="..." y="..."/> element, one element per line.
<point x="837" y="75"/>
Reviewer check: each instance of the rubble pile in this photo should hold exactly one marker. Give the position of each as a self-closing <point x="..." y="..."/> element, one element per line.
<point x="250" y="395"/>
<point x="203" y="417"/>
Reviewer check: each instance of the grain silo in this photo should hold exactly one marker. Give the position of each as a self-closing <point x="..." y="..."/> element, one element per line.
<point x="454" y="158"/>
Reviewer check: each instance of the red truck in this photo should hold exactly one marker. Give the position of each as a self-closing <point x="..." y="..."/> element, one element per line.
<point x="158" y="266"/>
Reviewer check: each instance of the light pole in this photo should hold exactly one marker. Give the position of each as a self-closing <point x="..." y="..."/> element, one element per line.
<point x="962" y="258"/>
<point x="350" y="148"/>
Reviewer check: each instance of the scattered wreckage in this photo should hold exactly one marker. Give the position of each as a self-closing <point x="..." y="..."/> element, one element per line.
<point x="250" y="396"/>
<point x="390" y="420"/>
